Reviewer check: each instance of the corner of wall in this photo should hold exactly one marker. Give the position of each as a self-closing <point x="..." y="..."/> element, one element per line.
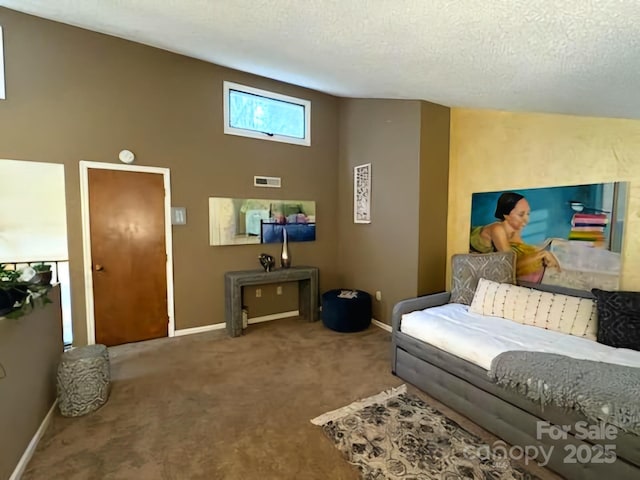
<point x="433" y="203"/>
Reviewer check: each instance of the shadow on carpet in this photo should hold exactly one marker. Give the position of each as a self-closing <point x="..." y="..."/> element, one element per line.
<point x="396" y="435"/>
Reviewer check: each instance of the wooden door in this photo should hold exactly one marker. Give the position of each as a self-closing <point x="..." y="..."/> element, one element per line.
<point x="127" y="229"/>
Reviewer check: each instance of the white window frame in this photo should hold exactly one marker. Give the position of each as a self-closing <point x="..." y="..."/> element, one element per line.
<point x="2" y="88"/>
<point x="228" y="129"/>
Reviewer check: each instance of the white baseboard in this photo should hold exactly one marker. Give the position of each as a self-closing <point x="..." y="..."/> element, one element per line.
<point x="31" y="448"/>
<point x="206" y="328"/>
<point x="220" y="326"/>
<point x="275" y="316"/>
<point x="383" y="326"/>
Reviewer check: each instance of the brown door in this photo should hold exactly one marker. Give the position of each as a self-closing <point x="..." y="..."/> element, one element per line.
<point x="128" y="253"/>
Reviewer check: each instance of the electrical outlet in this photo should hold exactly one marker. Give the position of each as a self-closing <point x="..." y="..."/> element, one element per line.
<point x="258" y="292"/>
<point x="379" y="295"/>
<point x="279" y="290"/>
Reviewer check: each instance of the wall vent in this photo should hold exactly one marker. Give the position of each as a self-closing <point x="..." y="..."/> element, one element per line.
<point x="273" y="182"/>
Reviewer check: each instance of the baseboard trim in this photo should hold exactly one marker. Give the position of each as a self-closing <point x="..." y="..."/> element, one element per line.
<point x="206" y="328"/>
<point x="381" y="325"/>
<point x="220" y="326"/>
<point x="31" y="448"/>
<point x="274" y="316"/>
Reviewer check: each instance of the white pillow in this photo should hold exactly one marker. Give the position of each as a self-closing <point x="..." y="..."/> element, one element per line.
<point x="553" y="311"/>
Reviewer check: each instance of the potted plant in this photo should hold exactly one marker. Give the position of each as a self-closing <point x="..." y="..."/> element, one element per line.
<point x="43" y="272"/>
<point x="18" y="293"/>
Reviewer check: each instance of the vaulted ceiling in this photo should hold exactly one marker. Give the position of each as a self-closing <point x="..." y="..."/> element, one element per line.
<point x="577" y="57"/>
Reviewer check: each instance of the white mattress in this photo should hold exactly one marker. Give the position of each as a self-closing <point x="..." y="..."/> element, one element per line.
<point x="480" y="338"/>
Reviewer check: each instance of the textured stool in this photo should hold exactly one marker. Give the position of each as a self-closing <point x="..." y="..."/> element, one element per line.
<point x="346" y="310"/>
<point x="83" y="380"/>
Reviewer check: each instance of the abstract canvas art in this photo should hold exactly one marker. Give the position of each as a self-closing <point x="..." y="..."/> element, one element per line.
<point x="362" y="194"/>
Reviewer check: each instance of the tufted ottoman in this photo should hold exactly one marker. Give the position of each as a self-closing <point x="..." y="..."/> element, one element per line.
<point x="83" y="380"/>
<point x="346" y="310"/>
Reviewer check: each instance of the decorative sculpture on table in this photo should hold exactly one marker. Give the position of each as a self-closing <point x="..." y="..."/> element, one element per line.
<point x="267" y="261"/>
<point x="285" y="256"/>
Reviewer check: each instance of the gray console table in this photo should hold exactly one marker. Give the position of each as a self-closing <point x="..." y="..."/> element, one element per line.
<point x="307" y="278"/>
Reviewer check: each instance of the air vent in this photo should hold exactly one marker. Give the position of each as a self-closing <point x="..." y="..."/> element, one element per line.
<point x="273" y="182"/>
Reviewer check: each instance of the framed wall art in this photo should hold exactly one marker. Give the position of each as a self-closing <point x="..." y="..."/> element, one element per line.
<point x="241" y="221"/>
<point x="362" y="193"/>
<point x="2" y="92"/>
<point x="570" y="236"/>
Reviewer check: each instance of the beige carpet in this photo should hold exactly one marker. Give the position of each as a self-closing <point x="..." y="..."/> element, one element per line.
<point x="211" y="407"/>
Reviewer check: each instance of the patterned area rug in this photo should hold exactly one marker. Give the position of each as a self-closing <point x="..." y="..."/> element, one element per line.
<point x="396" y="435"/>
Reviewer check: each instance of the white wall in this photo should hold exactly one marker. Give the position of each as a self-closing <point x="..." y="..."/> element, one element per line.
<point x="33" y="222"/>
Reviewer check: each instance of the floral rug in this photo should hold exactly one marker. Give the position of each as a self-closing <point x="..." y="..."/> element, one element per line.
<point x="396" y="435"/>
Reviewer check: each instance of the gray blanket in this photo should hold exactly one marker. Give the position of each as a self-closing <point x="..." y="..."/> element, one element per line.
<point x="599" y="391"/>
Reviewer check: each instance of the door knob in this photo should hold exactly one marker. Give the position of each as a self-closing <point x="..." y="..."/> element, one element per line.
<point x="99" y="267"/>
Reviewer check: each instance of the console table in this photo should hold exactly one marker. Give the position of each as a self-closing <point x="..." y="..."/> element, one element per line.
<point x="307" y="278"/>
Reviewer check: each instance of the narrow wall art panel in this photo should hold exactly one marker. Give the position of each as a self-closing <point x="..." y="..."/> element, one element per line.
<point x="362" y="193"/>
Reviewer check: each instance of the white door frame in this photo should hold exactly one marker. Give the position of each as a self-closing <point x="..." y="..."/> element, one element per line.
<point x="86" y="238"/>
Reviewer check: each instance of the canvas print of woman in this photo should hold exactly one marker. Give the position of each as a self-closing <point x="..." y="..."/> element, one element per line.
<point x="512" y="214"/>
<point x="568" y="235"/>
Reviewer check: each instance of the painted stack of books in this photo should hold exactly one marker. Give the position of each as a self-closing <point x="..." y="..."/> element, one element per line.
<point x="588" y="229"/>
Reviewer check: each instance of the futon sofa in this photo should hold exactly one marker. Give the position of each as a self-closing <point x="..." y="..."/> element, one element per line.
<point x="465" y="386"/>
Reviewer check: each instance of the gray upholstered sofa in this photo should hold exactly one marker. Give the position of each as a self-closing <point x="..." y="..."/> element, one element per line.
<point x="466" y="388"/>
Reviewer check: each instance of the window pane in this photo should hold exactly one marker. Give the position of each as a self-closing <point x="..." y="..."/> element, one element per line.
<point x="2" y="92"/>
<point x="262" y="114"/>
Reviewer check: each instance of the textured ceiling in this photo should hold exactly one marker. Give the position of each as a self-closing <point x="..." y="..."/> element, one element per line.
<point x="566" y="56"/>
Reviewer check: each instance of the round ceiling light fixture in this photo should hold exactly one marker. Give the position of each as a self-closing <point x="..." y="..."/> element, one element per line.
<point x="126" y="156"/>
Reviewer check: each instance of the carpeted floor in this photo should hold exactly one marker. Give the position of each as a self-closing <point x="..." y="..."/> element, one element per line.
<point x="207" y="406"/>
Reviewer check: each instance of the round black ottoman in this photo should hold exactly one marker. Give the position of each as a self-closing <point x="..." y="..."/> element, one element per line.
<point x="346" y="310"/>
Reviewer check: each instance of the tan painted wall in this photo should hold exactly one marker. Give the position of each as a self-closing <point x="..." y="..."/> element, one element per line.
<point x="492" y="150"/>
<point x="434" y="183"/>
<point x="30" y="349"/>
<point x="77" y="95"/>
<point x="381" y="255"/>
<point x="402" y="252"/>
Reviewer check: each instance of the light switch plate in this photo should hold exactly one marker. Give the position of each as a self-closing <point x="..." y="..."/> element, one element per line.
<point x="178" y="216"/>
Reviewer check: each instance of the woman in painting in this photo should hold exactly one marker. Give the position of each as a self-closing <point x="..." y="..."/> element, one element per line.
<point x="512" y="212"/>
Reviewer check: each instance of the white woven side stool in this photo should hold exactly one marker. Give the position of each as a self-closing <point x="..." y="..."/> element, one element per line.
<point x="83" y="380"/>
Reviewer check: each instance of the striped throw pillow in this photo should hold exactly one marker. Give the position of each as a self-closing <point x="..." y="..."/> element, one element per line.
<point x="528" y="306"/>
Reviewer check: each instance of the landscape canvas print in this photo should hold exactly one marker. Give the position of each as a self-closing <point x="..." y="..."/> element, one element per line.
<point x="241" y="221"/>
<point x="570" y="236"/>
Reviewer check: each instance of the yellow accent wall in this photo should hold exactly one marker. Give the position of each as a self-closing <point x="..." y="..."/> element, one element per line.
<point x="494" y="150"/>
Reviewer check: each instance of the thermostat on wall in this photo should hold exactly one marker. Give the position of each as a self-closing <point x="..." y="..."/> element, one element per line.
<point x="273" y="182"/>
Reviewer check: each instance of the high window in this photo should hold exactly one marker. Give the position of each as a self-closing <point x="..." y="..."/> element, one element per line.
<point x="1" y="68"/>
<point x="255" y="113"/>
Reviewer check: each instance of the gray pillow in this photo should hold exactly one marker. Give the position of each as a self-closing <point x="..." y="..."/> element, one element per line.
<point x="468" y="268"/>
